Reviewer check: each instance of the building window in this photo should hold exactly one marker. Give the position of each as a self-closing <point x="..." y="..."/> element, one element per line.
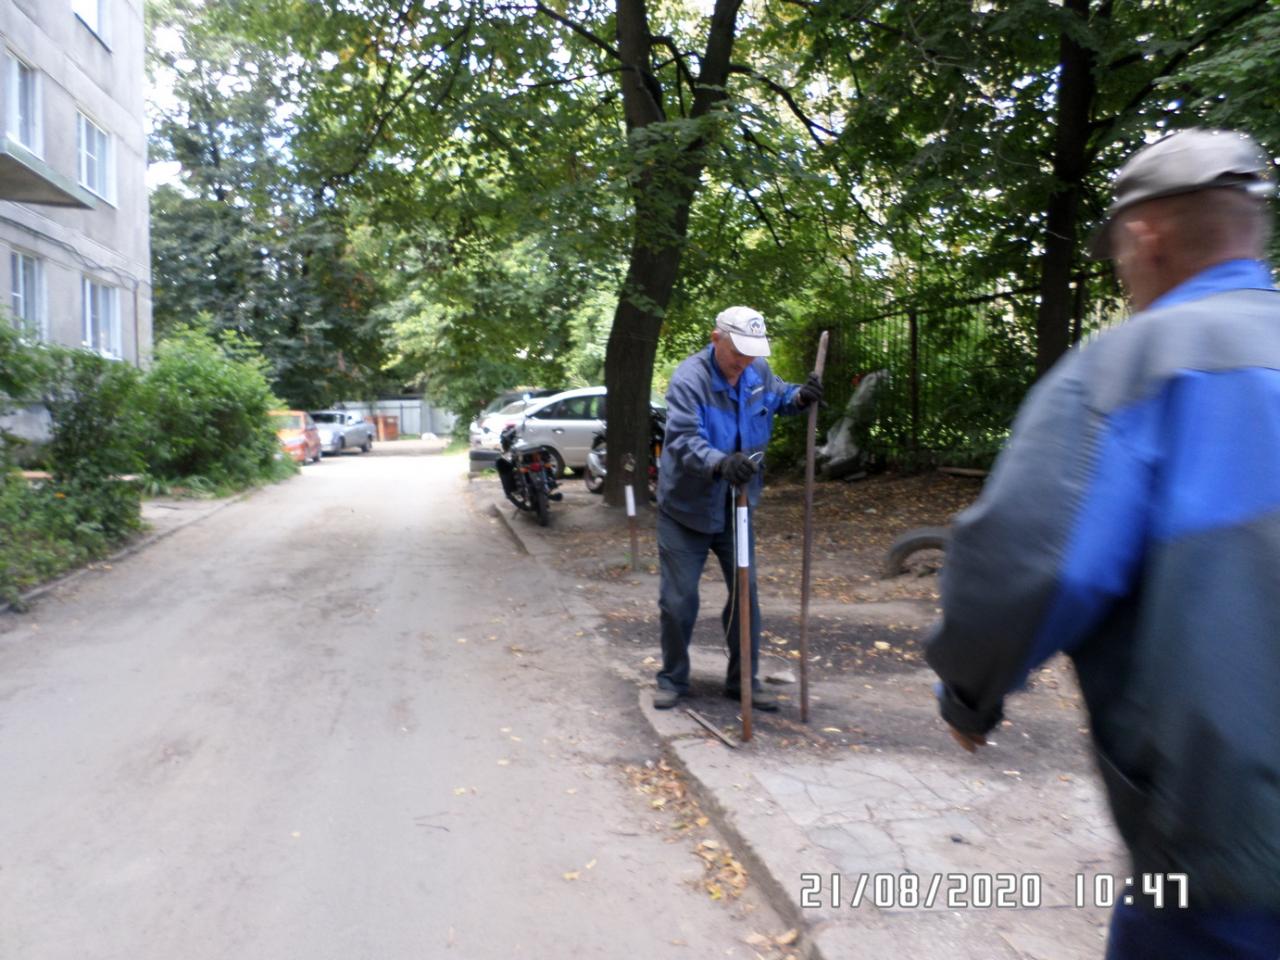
<point x="101" y="319"/>
<point x="93" y="13"/>
<point x="97" y="166"/>
<point x="27" y="281"/>
<point x="24" y="104"/>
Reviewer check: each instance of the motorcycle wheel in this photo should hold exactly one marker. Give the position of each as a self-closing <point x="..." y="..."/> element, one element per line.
<point x="541" y="505"/>
<point x="594" y="482"/>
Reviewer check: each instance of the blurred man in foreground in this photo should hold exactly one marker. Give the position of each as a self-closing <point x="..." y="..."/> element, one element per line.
<point x="1133" y="521"/>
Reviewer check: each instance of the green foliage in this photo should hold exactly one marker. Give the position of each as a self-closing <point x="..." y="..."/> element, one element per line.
<point x="206" y="408"/>
<point x="22" y="372"/>
<point x="241" y="241"/>
<point x="86" y="509"/>
<point x="96" y="441"/>
<point x="22" y="369"/>
<point x="97" y="431"/>
<point x="403" y="192"/>
<point x="41" y="535"/>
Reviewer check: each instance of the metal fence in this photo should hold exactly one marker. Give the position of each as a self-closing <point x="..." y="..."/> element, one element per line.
<point x="953" y="372"/>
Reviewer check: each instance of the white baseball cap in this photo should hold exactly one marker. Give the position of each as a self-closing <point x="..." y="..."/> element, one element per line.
<point x="746" y="330"/>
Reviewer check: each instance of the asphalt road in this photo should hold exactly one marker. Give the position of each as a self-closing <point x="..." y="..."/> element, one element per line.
<point x="265" y="737"/>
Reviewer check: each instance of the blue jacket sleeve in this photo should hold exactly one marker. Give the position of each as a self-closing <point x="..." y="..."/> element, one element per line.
<point x="1038" y="560"/>
<point x="686" y="436"/>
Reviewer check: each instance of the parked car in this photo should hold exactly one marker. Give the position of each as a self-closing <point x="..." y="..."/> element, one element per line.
<point x="484" y="429"/>
<point x="519" y="393"/>
<point x="298" y="435"/>
<point x="343" y="429"/>
<point x="565" y="424"/>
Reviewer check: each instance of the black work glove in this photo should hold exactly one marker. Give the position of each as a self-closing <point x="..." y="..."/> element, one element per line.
<point x="810" y="391"/>
<point x="737" y="468"/>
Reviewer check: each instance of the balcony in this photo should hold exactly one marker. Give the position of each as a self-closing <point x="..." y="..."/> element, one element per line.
<point x="25" y="178"/>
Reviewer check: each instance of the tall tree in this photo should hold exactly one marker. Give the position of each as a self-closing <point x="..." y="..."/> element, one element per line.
<point x="238" y="242"/>
<point x="986" y="133"/>
<point x="589" y="121"/>
<point x="668" y="160"/>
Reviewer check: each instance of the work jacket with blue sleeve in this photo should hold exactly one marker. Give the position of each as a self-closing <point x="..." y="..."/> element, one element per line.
<point x="1133" y="522"/>
<point x="707" y="419"/>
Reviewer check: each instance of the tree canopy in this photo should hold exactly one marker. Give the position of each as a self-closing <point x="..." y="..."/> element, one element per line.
<point x="472" y="195"/>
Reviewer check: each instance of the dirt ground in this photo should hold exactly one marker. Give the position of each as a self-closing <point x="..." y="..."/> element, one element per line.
<point x="854" y="524"/>
<point x="862" y="629"/>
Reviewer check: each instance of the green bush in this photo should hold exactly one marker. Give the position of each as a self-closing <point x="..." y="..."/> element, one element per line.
<point x="96" y="426"/>
<point x="33" y="544"/>
<point x="23" y="371"/>
<point x="206" y="408"/>
<point x="85" y="509"/>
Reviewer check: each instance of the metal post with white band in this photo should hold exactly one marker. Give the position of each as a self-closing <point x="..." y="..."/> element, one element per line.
<point x="743" y="539"/>
<point x="629" y="467"/>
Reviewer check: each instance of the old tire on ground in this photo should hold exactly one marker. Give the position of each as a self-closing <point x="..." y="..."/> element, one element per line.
<point x="921" y="538"/>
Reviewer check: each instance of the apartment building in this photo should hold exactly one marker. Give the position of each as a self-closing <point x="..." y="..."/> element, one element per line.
<point x="74" y="226"/>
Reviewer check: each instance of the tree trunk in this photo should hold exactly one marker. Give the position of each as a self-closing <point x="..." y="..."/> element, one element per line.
<point x="1077" y="88"/>
<point x="660" y="222"/>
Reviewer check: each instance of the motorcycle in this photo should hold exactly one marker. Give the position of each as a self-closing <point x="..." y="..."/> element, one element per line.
<point x="528" y="476"/>
<point x="594" y="472"/>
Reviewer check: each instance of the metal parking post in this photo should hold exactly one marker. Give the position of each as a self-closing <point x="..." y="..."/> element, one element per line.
<point x="629" y="469"/>
<point x="743" y="519"/>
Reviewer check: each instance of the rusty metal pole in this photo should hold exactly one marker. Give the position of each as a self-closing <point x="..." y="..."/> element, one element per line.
<point x="810" y="445"/>
<point x="743" y="520"/>
<point x="629" y="467"/>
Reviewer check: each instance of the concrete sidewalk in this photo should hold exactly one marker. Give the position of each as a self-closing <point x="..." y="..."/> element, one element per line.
<point x="873" y="792"/>
<point x="907" y="815"/>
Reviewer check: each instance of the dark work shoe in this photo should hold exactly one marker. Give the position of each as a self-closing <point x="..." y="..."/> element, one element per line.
<point x="761" y="700"/>
<point x="664" y="699"/>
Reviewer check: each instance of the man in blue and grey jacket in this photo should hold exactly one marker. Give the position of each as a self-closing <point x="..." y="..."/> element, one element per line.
<point x="1133" y="522"/>
<point x="720" y="407"/>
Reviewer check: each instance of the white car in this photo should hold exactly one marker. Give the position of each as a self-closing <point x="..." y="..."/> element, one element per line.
<point x="484" y="429"/>
<point x="565" y="424"/>
<point x="343" y="429"/>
